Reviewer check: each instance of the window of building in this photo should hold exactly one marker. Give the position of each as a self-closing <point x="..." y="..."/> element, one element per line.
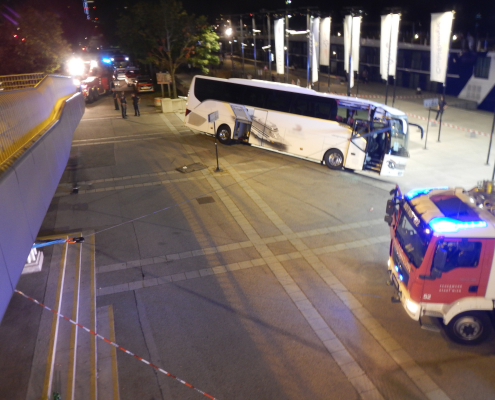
<point x="482" y="67"/>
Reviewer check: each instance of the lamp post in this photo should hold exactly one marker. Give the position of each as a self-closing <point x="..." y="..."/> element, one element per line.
<point x="228" y="33"/>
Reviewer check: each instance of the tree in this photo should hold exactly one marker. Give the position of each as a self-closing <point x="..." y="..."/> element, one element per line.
<point x="35" y="44"/>
<point x="165" y="35"/>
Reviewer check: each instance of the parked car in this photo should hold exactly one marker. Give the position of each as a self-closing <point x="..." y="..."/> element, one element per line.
<point x="144" y="84"/>
<point x="130" y="76"/>
<point x="119" y="74"/>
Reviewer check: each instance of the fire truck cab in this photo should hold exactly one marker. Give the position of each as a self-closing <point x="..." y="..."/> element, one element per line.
<point x="441" y="257"/>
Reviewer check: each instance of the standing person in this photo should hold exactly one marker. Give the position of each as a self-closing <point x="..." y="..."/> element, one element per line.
<point x="115" y="99"/>
<point x="135" y="102"/>
<point x="442" y="105"/>
<point x="123" y="104"/>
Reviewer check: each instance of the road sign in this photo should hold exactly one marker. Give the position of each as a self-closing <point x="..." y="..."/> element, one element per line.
<point x="428" y="103"/>
<point x="163" y="78"/>
<point x="213" y="116"/>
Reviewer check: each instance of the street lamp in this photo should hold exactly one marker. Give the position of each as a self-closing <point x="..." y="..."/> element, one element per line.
<point x="228" y="32"/>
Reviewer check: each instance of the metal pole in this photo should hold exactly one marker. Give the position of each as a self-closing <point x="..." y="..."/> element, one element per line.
<point x="329" y="63"/>
<point x="350" y="60"/>
<point x="441" y="114"/>
<point x="231" y="46"/>
<point x="269" y="48"/>
<point x="427" y="126"/>
<point x="242" y="47"/>
<point x="395" y="85"/>
<point x="254" y="42"/>
<point x="318" y="54"/>
<point x="445" y="82"/>
<point x="308" y="36"/>
<point x="388" y="64"/>
<point x="287" y="45"/>
<point x="490" y="145"/>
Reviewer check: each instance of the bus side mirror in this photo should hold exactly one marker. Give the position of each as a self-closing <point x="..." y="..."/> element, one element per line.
<point x="388" y="219"/>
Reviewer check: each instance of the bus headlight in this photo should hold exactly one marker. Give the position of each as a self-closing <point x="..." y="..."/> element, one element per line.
<point x="412" y="306"/>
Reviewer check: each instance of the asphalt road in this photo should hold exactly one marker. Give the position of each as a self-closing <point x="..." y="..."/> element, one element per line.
<point x="263" y="281"/>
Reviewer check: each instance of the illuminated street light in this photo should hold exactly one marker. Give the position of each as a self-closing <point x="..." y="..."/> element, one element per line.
<point x="228" y="31"/>
<point x="75" y="66"/>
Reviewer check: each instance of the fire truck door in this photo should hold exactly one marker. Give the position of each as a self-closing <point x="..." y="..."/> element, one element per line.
<point x="458" y="276"/>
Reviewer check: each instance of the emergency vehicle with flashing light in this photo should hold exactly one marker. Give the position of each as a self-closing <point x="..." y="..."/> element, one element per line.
<point x="441" y="259"/>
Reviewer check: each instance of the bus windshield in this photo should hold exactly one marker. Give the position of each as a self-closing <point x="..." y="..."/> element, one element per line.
<point x="412" y="242"/>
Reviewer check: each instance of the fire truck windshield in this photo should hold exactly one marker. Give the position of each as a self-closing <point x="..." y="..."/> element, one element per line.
<point x="413" y="243"/>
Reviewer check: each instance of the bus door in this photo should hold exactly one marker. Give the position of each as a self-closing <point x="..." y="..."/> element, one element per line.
<point x="356" y="152"/>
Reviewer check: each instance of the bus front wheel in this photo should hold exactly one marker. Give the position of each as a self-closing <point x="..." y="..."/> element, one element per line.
<point x="471" y="328"/>
<point x="334" y="159"/>
<point x="223" y="134"/>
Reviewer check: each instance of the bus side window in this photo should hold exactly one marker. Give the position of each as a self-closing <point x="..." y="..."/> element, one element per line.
<point x="302" y="106"/>
<point x="254" y="96"/>
<point x="325" y="109"/>
<point x="278" y="100"/>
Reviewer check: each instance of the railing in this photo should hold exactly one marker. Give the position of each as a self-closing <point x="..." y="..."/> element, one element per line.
<point x="26" y="113"/>
<point x="16" y="82"/>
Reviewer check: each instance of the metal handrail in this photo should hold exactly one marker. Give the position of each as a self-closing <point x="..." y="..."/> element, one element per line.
<point x="16" y="82"/>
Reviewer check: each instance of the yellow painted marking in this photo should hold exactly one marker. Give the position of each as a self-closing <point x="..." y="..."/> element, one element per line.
<point x="113" y="353"/>
<point x="74" y="330"/>
<point x="93" y="387"/>
<point x="52" y="348"/>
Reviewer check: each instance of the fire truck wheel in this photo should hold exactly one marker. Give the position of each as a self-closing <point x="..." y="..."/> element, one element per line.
<point x="469" y="328"/>
<point x="223" y="134"/>
<point x="95" y="94"/>
<point x="334" y="159"/>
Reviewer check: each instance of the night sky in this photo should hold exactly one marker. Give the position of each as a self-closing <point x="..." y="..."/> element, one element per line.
<point x="472" y="16"/>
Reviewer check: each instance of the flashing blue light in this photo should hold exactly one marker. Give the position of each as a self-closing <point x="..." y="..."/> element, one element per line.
<point x="401" y="277"/>
<point x="396" y="268"/>
<point x="106" y="60"/>
<point x="418" y="192"/>
<point x="446" y="225"/>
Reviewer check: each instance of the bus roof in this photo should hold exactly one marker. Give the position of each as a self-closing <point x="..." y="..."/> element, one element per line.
<point x="297" y="89"/>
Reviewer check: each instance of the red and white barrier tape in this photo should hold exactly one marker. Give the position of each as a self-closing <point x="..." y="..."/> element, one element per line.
<point x="376" y="96"/>
<point x="117" y="346"/>
<point x="450" y="125"/>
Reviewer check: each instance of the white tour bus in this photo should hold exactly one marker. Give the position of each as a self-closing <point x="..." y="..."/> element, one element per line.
<point x="340" y="131"/>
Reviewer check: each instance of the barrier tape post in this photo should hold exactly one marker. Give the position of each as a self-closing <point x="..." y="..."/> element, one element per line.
<point x="427" y="126"/>
<point x="116" y="345"/>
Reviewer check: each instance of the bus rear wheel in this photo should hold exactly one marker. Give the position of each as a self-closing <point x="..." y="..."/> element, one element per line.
<point x="223" y="134"/>
<point x="469" y="328"/>
<point x="334" y="159"/>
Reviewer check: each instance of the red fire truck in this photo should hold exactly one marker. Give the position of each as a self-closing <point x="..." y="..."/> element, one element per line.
<point x="96" y="83"/>
<point x="441" y="260"/>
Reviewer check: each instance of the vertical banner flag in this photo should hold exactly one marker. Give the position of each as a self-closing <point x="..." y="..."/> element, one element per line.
<point x="441" y="26"/>
<point x="388" y="44"/>
<point x="315" y="39"/>
<point x="279" y="45"/>
<point x="325" y="42"/>
<point x="352" y="30"/>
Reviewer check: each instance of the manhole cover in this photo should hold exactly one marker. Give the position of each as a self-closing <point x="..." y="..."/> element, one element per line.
<point x="205" y="200"/>
<point x="191" y="168"/>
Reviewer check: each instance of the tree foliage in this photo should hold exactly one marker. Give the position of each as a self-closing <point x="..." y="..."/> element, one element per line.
<point x="164" y="34"/>
<point x="35" y="44"/>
